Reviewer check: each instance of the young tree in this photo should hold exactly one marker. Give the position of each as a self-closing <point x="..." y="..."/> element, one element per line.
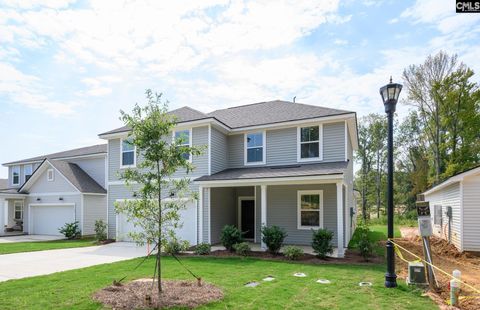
<point x="159" y="158"/>
<point x="378" y="131"/>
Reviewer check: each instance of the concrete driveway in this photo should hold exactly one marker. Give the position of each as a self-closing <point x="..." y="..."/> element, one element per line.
<point x="23" y="265"/>
<point x="29" y="238"/>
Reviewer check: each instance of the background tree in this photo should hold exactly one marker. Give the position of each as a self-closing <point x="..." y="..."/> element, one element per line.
<point x="159" y="158"/>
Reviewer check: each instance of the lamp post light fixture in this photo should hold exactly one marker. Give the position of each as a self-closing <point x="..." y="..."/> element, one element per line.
<point x="390" y="93"/>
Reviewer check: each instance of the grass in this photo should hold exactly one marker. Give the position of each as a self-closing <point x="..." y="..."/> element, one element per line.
<point x="377" y="233"/>
<point x="73" y="289"/>
<point x="18" y="247"/>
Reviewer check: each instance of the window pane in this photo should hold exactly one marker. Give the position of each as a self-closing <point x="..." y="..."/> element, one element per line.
<point x="255" y="154"/>
<point x="127" y="146"/>
<point x="27" y="177"/>
<point x="186" y="156"/>
<point x="183" y="136"/>
<point x="254" y="139"/>
<point x="18" y="215"/>
<point x="310" y="202"/>
<point x="127" y="158"/>
<point x="16" y="178"/>
<point x="309" y="150"/>
<point x="309" y="134"/>
<point x="310" y="218"/>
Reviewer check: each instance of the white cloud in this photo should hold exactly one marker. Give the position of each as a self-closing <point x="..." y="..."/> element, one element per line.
<point x="340" y="42"/>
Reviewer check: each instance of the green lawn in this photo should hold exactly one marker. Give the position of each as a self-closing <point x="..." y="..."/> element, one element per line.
<point x="18" y="247"/>
<point x="73" y="289"/>
<point x="377" y="233"/>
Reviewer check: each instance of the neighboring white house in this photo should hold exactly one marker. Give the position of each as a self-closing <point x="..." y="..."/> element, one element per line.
<point x="460" y="194"/>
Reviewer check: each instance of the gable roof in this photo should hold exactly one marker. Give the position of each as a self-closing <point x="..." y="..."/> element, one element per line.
<point x="3" y="184"/>
<point x="255" y="114"/>
<point x="453" y="179"/>
<point x="72" y="173"/>
<point x="83" y="151"/>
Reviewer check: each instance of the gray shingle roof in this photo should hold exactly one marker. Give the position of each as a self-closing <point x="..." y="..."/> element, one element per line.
<point x="300" y="170"/>
<point x="89" y="150"/>
<point x="79" y="178"/>
<point x="261" y="113"/>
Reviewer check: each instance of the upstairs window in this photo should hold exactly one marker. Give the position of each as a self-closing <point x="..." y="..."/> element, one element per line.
<point x="28" y="172"/>
<point x="309" y="143"/>
<point x="310" y="209"/>
<point x="18" y="208"/>
<point x="182" y="138"/>
<point x="255" y="148"/>
<point x="128" y="156"/>
<point x="16" y="175"/>
<point x="50" y="175"/>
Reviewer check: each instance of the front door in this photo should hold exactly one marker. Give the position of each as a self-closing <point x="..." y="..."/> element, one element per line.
<point x="247" y="218"/>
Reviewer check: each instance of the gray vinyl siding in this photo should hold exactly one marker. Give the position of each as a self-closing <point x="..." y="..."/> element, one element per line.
<point x="282" y="211"/>
<point x="22" y="174"/>
<point x="471" y="213"/>
<point x="75" y="199"/>
<point x="113" y="159"/>
<point x="206" y="216"/>
<point x="334" y="142"/>
<point x="282" y="146"/>
<point x="58" y="185"/>
<point x="94" y="167"/>
<point x="448" y="196"/>
<point x="94" y="208"/>
<point x="235" y="151"/>
<point x="222" y="210"/>
<point x="219" y="151"/>
<point x="349" y="199"/>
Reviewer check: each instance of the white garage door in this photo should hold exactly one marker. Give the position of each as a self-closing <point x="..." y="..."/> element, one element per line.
<point x="186" y="232"/>
<point x="47" y="219"/>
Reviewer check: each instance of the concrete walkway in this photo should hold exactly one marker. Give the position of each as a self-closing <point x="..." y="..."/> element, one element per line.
<point x="29" y="238"/>
<point x="29" y="264"/>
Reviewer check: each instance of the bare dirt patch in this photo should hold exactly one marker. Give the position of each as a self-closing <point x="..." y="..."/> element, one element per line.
<point x="140" y="294"/>
<point x="447" y="258"/>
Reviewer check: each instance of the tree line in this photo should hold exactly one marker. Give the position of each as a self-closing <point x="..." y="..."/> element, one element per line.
<point x="440" y="136"/>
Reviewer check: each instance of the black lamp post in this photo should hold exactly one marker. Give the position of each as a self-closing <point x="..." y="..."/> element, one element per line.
<point x="390" y="93"/>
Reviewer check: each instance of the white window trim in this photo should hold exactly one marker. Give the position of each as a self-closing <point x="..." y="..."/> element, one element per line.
<point x="320" y="144"/>
<point x="299" y="209"/>
<point x="21" y="210"/>
<point x="25" y="172"/>
<point x="13" y="171"/>
<point x="264" y="148"/>
<point x="190" y="139"/>
<point x="122" y="166"/>
<point x="48" y="175"/>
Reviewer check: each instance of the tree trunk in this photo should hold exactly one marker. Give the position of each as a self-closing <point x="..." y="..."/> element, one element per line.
<point x="159" y="241"/>
<point x="378" y="184"/>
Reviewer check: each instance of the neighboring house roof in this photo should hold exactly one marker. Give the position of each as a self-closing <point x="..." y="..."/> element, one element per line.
<point x="89" y="150"/>
<point x="453" y="179"/>
<point x="3" y="184"/>
<point x="302" y="170"/>
<point x="260" y="113"/>
<point x="73" y="173"/>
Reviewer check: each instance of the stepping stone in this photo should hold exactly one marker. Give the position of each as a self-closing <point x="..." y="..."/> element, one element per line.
<point x="299" y="274"/>
<point x="268" y="279"/>
<point x="365" y="284"/>
<point x="323" y="281"/>
<point x="252" y="284"/>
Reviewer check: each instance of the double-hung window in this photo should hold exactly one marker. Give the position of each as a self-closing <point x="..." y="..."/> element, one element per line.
<point x="182" y="138"/>
<point x="18" y="208"/>
<point x="28" y="169"/>
<point x="128" y="157"/>
<point x="310" y="143"/>
<point x="16" y="175"/>
<point x="310" y="209"/>
<point x="255" y="148"/>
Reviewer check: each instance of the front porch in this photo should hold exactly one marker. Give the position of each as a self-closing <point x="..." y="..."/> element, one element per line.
<point x="257" y="247"/>
<point x="11" y="213"/>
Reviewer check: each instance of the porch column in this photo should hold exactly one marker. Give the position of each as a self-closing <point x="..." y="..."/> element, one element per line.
<point x="340" y="223"/>
<point x="200" y="214"/>
<point x="263" y="212"/>
<point x="3" y="214"/>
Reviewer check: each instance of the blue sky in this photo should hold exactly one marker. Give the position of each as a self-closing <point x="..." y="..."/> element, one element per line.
<point x="67" y="67"/>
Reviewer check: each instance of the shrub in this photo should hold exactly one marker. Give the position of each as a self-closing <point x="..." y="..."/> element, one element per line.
<point x="175" y="247"/>
<point x="322" y="242"/>
<point x="203" y="249"/>
<point x="292" y="252"/>
<point x="273" y="238"/>
<point x="230" y="235"/>
<point x="242" y="248"/>
<point x="364" y="243"/>
<point x="100" y="230"/>
<point x="70" y="230"/>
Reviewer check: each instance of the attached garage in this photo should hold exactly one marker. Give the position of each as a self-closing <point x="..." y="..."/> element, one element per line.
<point x="46" y="219"/>
<point x="188" y="231"/>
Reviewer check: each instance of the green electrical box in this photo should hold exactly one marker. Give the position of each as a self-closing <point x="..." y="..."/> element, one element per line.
<point x="416" y="273"/>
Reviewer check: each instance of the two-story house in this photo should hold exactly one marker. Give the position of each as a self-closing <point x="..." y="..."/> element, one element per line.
<point x="45" y="192"/>
<point x="270" y="163"/>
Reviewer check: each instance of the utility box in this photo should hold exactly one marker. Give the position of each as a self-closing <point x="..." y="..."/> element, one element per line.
<point x="416" y="274"/>
<point x="424" y="220"/>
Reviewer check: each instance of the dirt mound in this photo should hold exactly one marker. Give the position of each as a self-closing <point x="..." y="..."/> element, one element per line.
<point x="140" y="294"/>
<point x="442" y="247"/>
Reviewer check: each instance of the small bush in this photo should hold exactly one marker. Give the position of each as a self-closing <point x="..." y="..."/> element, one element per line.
<point x="203" y="249"/>
<point x="292" y="252"/>
<point x="100" y="230"/>
<point x="322" y="242"/>
<point x="175" y="247"/>
<point x="364" y="243"/>
<point x="273" y="238"/>
<point x="70" y="230"/>
<point x="231" y="235"/>
<point x="242" y="248"/>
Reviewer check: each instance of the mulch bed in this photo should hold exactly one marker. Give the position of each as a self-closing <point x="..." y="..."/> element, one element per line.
<point x="139" y="294"/>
